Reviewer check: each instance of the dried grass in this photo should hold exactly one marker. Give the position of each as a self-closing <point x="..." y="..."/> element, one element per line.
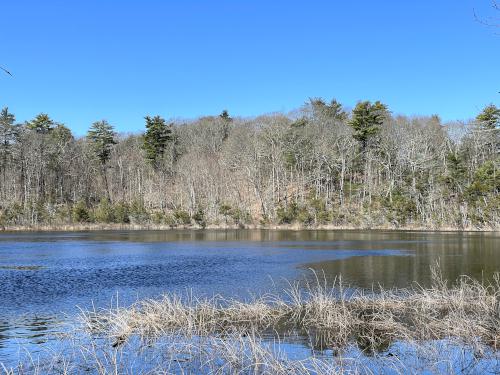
<point x="468" y="311"/>
<point x="390" y="329"/>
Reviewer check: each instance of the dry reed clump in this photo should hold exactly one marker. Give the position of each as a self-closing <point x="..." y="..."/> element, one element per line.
<point x="468" y="311"/>
<point x="151" y="319"/>
<point x="441" y="329"/>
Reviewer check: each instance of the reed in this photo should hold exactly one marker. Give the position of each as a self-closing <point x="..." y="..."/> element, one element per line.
<point x="468" y="311"/>
<point x="444" y="328"/>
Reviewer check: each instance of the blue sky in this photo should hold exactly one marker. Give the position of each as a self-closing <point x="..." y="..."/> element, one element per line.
<point x="121" y="60"/>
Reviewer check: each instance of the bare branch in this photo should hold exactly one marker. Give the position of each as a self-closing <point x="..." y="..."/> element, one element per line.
<point x="6" y="71"/>
<point x="489" y="21"/>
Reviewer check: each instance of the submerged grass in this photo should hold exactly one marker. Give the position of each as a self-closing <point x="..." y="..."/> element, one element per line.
<point x="444" y="328"/>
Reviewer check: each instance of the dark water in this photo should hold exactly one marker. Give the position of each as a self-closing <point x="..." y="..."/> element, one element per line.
<point x="44" y="276"/>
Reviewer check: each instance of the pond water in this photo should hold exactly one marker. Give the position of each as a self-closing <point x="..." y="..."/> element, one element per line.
<point x="44" y="277"/>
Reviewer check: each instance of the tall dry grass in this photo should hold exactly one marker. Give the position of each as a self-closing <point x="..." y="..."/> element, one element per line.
<point x="468" y="311"/>
<point x="445" y="328"/>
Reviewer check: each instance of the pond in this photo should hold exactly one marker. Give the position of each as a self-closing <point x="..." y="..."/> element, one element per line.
<point x="45" y="277"/>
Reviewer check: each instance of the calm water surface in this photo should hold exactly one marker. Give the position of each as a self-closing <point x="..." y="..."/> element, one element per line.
<point x="45" y="276"/>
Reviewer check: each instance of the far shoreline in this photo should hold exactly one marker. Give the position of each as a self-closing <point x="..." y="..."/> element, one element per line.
<point x="90" y="227"/>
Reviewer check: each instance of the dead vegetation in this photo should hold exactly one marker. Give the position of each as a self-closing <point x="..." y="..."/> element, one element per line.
<point x="445" y="328"/>
<point x="467" y="310"/>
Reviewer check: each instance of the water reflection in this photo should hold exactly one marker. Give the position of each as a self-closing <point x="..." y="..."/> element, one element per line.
<point x="245" y="235"/>
<point x="45" y="275"/>
<point x="471" y="254"/>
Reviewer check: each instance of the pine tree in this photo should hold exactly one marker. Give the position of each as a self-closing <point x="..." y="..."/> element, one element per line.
<point x="366" y="120"/>
<point x="156" y="138"/>
<point x="42" y="124"/>
<point x="333" y="111"/>
<point x="8" y="131"/>
<point x="8" y="134"/>
<point x="225" y="115"/>
<point x="489" y="118"/>
<point x="102" y="139"/>
<point x="226" y="121"/>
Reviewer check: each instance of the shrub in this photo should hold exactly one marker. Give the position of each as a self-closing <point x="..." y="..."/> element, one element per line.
<point x="13" y="214"/>
<point x="199" y="218"/>
<point x="80" y="213"/>
<point x="104" y="212"/>
<point x="63" y="213"/>
<point x="283" y="215"/>
<point x="226" y="211"/>
<point x="293" y="213"/>
<point x="321" y="214"/>
<point x="238" y="216"/>
<point x="182" y="217"/>
<point x="138" y="212"/>
<point x="121" y="213"/>
<point x="401" y="209"/>
<point x="157" y="217"/>
<point x="304" y="216"/>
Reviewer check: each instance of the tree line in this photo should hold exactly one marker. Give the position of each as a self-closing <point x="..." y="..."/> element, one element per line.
<point x="321" y="164"/>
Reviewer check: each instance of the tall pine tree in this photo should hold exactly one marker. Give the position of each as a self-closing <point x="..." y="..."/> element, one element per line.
<point x="8" y="132"/>
<point x="8" y="135"/>
<point x="156" y="138"/>
<point x="366" y="120"/>
<point x="226" y="122"/>
<point x="102" y="138"/>
<point x="489" y="118"/>
<point x="42" y="124"/>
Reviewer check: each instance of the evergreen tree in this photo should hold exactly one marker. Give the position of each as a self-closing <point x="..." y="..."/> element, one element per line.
<point x="155" y="140"/>
<point x="486" y="180"/>
<point x="42" y="124"/>
<point x="489" y="118"/>
<point x="366" y="120"/>
<point x="335" y="110"/>
<point x="8" y="131"/>
<point x="225" y="116"/>
<point x="8" y="134"/>
<point x="332" y="111"/>
<point x="226" y="121"/>
<point x="102" y="139"/>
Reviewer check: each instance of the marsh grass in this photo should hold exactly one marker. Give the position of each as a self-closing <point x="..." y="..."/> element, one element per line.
<point x="468" y="311"/>
<point x="445" y="328"/>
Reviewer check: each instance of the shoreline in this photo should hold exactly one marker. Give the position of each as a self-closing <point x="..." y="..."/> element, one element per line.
<point x="274" y="227"/>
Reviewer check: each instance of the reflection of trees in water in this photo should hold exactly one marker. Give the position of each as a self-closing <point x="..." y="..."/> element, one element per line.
<point x="332" y="239"/>
<point x="474" y="255"/>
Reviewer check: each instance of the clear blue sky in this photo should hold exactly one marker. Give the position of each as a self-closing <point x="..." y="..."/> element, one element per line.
<point x="121" y="60"/>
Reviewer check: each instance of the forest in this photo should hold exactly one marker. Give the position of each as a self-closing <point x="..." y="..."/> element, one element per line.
<point x="320" y="165"/>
